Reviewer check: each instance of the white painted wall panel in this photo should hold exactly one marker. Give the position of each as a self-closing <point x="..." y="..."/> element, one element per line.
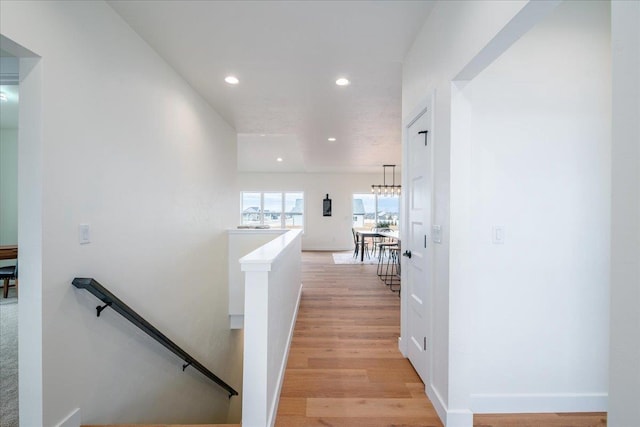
<point x="129" y="148"/>
<point x="540" y="166"/>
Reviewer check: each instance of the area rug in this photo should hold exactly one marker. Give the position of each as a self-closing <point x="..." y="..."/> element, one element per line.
<point x="9" y="362"/>
<point x="347" y="258"/>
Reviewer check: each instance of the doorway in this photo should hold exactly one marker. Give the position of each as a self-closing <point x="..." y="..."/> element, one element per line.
<point x="9" y="237"/>
<point x="26" y="72"/>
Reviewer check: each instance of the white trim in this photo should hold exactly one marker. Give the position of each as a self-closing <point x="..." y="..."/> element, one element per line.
<point x="450" y="418"/>
<point x="538" y="402"/>
<point x="437" y="401"/>
<point x="402" y="347"/>
<point x="283" y="367"/>
<point x="71" y="420"/>
<point x="461" y="418"/>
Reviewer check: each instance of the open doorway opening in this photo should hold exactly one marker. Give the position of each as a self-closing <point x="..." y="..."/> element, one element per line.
<point x="9" y="238"/>
<point x="22" y="227"/>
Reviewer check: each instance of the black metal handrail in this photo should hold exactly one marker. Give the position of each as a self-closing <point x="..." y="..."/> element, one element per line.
<point x="110" y="300"/>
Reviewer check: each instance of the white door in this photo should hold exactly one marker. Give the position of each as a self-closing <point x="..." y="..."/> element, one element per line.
<point x="416" y="244"/>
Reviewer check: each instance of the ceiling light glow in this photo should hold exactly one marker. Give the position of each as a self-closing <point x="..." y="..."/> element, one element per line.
<point x="3" y="96"/>
<point x="332" y="139"/>
<point x="232" y="80"/>
<point x="342" y="81"/>
<point x="279" y="159"/>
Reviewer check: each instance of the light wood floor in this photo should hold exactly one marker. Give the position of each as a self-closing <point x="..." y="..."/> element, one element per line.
<point x="344" y="367"/>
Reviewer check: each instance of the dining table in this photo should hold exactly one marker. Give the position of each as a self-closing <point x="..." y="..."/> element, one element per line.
<point x="363" y="234"/>
<point x="8" y="252"/>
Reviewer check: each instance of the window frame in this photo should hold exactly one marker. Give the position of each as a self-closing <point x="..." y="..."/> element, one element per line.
<point x="283" y="202"/>
<point x="376" y="209"/>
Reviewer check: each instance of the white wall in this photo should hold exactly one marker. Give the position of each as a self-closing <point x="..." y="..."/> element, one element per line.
<point x="457" y="41"/>
<point x="129" y="148"/>
<point x="8" y="186"/>
<point x="321" y="233"/>
<point x="624" y="382"/>
<point x="540" y="164"/>
<point x="454" y="33"/>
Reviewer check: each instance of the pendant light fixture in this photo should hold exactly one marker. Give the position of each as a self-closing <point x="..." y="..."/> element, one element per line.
<point x="385" y="189"/>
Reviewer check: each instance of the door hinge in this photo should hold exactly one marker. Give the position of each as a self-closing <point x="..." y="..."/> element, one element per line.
<point x="424" y="346"/>
<point x="425" y="241"/>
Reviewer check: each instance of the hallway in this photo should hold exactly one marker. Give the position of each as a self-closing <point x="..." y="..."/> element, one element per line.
<point x="344" y="366"/>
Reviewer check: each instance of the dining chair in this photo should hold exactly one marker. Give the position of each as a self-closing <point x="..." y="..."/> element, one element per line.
<point x="358" y="245"/>
<point x="7" y="274"/>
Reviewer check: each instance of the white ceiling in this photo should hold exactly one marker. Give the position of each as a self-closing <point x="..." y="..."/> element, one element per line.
<point x="287" y="55"/>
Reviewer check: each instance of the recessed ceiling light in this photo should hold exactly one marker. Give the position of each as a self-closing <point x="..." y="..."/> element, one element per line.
<point x="232" y="80"/>
<point x="279" y="159"/>
<point x="342" y="81"/>
<point x="332" y="139"/>
<point x="3" y="96"/>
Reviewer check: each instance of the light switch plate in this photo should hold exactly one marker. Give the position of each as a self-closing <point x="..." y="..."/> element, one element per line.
<point x="497" y="235"/>
<point x="84" y="235"/>
<point x="436" y="234"/>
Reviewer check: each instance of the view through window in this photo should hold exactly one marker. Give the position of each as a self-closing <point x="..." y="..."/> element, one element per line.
<point x="277" y="209"/>
<point x="374" y="211"/>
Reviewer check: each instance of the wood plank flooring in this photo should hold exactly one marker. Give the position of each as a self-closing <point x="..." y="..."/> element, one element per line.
<point x="344" y="367"/>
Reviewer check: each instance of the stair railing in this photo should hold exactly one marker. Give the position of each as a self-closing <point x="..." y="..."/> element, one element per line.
<point x="110" y="300"/>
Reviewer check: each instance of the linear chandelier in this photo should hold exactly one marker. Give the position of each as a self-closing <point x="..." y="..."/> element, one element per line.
<point x="386" y="189"/>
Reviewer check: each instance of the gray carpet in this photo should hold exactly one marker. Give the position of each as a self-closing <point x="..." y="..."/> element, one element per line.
<point x="9" y="360"/>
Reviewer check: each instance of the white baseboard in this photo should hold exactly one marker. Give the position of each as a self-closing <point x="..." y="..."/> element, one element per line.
<point x="436" y="400"/>
<point x="538" y="403"/>
<point x="462" y="418"/>
<point x="283" y="366"/>
<point x="71" y="420"/>
<point x="402" y="347"/>
<point x="450" y="418"/>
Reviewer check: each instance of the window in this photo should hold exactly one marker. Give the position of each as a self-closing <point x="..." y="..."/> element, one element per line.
<point x="371" y="210"/>
<point x="275" y="209"/>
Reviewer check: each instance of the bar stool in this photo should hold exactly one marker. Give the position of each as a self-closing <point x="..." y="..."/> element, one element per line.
<point x="391" y="275"/>
<point x="383" y="254"/>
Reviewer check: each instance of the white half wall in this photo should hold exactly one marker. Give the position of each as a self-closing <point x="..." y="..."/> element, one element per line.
<point x="624" y="381"/>
<point x="126" y="146"/>
<point x="321" y="233"/>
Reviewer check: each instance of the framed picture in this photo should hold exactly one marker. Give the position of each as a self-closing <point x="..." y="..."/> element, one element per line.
<point x="326" y="206"/>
